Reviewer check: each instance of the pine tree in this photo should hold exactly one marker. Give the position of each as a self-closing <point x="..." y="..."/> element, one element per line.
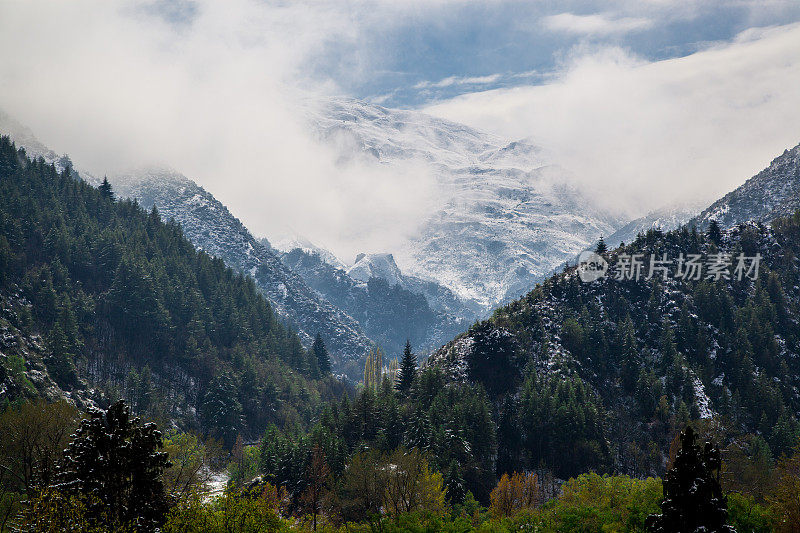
<point x="418" y="434"/>
<point x="714" y="232"/>
<point x="221" y="412"/>
<point x="105" y="189"/>
<point x="116" y="462"/>
<point x="322" y="356"/>
<point x="693" y="499"/>
<point x="601" y="248"/>
<point x="408" y="369"/>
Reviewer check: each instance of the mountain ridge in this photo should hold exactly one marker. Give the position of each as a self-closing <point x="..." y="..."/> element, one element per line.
<point x="210" y="226"/>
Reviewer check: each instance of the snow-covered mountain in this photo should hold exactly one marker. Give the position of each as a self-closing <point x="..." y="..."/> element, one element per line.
<point x="211" y="227"/>
<point x="507" y="214"/>
<point x="376" y="266"/>
<point x="390" y="306"/>
<point x="773" y="192"/>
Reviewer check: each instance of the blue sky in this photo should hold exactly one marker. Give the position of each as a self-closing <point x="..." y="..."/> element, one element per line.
<point x="442" y="50"/>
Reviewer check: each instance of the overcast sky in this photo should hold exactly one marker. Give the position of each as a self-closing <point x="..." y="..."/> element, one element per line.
<point x="661" y="100"/>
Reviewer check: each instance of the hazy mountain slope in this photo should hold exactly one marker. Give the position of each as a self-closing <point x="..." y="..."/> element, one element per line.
<point x="506" y="216"/>
<point x="773" y="192"/>
<point x="211" y="227"/>
<point x="383" y="266"/>
<point x="23" y="137"/>
<point x="665" y="219"/>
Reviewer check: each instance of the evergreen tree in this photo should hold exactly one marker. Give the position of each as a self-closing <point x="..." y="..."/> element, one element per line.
<point x="454" y="481"/>
<point x="221" y="412"/>
<point x="493" y="359"/>
<point x="693" y="499"/>
<point x="714" y="232"/>
<point x="105" y="189"/>
<point x="321" y="355"/>
<point x="418" y="433"/>
<point x="408" y="369"/>
<point x="115" y="462"/>
<point x="601" y="248"/>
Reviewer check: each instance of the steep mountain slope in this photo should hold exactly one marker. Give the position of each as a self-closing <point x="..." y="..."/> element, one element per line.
<point x="506" y="217"/>
<point x="391" y="307"/>
<point x="441" y="299"/>
<point x="211" y="227"/>
<point x="773" y="192"/>
<point x="649" y="354"/>
<point x="101" y="299"/>
<point x="23" y="137"/>
<point x="665" y="219"/>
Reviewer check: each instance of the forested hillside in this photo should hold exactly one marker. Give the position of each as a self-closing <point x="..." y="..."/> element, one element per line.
<point x="601" y="375"/>
<point x="211" y="227"/>
<point x="102" y="300"/>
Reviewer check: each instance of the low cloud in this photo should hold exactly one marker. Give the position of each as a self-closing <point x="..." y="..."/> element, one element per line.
<point x="455" y="80"/>
<point x="644" y="134"/>
<point x="597" y="24"/>
<point x="220" y="91"/>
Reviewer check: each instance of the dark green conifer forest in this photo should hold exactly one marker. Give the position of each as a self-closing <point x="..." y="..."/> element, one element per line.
<point x="126" y="307"/>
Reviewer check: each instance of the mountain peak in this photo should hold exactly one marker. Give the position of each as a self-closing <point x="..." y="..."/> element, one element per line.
<point x="380" y="266"/>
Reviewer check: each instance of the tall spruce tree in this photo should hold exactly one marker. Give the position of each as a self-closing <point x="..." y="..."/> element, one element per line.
<point x="714" y="232"/>
<point x="408" y="369"/>
<point x="221" y="413"/>
<point x="115" y="461"/>
<point x="105" y="189"/>
<point x="601" y="248"/>
<point x="322" y="356"/>
<point x="693" y="499"/>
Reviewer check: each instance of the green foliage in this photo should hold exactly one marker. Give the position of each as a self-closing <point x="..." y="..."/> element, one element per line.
<point x="250" y="512"/>
<point x="493" y="360"/>
<point x="53" y="511"/>
<point x="562" y="424"/>
<point x="34" y="434"/>
<point x="244" y="464"/>
<point x="408" y="369"/>
<point x="321" y="356"/>
<point x="611" y="503"/>
<point x="192" y="463"/>
<point x="745" y="515"/>
<point x="648" y="351"/>
<point x="221" y="412"/>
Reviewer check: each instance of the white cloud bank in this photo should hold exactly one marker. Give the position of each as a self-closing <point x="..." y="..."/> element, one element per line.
<point x="648" y="134"/>
<point x="221" y="98"/>
<point x="597" y="24"/>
